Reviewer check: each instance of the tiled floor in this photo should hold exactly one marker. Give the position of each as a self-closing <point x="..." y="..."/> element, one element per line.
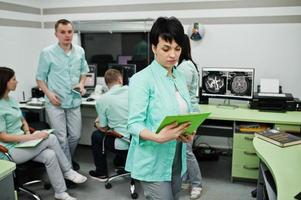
<point x="217" y="183"/>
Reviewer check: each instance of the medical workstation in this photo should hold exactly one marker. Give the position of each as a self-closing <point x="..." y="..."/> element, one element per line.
<point x="85" y="85"/>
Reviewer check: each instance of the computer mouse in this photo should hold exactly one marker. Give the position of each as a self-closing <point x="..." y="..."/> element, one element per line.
<point x="90" y="99"/>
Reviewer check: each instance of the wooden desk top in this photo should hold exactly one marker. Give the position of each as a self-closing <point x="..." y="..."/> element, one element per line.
<point x="284" y="164"/>
<point x="249" y="115"/>
<point x="6" y="167"/>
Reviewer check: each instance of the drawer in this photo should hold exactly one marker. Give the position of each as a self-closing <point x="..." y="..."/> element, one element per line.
<point x="245" y="157"/>
<point x="286" y="127"/>
<point x="245" y="171"/>
<point x="243" y="141"/>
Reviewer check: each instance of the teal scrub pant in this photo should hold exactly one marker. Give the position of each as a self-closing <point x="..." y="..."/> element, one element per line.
<point x="67" y="123"/>
<point x="50" y="153"/>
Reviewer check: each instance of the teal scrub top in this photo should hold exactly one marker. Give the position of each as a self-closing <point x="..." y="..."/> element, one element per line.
<point x="152" y="96"/>
<point x="112" y="110"/>
<point x="61" y="72"/>
<point x="192" y="79"/>
<point x="10" y="121"/>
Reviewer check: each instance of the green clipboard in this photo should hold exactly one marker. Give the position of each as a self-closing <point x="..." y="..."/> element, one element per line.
<point x="195" y="119"/>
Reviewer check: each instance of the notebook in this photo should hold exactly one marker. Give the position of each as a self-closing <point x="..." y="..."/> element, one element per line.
<point x="32" y="143"/>
<point x="195" y="119"/>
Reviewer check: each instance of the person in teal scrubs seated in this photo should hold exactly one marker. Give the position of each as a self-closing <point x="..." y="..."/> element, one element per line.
<point x="14" y="129"/>
<point x="111" y="123"/>
<point x="158" y="160"/>
<point x="188" y="67"/>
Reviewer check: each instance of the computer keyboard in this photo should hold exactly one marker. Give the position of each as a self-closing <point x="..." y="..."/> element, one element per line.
<point x="270" y="94"/>
<point x="90" y="99"/>
<point x="88" y="93"/>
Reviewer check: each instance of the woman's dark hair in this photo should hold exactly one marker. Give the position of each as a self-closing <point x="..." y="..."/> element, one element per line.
<point x="5" y="75"/>
<point x="168" y="29"/>
<point x="186" y="52"/>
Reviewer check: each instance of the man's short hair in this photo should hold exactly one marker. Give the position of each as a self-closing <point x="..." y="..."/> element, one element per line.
<point x="112" y="76"/>
<point x="61" y="21"/>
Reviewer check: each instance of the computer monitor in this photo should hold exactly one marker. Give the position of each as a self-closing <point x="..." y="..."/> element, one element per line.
<point x="124" y="59"/>
<point x="231" y="83"/>
<point x="101" y="61"/>
<point x="90" y="81"/>
<point x="127" y="71"/>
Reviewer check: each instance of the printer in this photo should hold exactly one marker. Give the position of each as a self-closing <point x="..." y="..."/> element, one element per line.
<point x="269" y="97"/>
<point x="275" y="102"/>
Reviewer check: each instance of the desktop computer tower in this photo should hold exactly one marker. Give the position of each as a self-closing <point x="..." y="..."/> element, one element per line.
<point x="36" y="92"/>
<point x="202" y="99"/>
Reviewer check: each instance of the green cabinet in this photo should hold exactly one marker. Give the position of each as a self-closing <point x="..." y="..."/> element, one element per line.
<point x="7" y="189"/>
<point x="288" y="128"/>
<point x="244" y="159"/>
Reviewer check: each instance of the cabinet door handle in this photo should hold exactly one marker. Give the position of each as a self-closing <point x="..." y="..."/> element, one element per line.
<point x="250" y="153"/>
<point x="249" y="138"/>
<point x="250" y="168"/>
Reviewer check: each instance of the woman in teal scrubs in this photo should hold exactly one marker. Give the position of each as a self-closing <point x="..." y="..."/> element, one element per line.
<point x="158" y="160"/>
<point x="188" y="67"/>
<point x="14" y="129"/>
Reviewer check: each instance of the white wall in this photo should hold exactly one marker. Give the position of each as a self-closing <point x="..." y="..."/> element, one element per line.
<point x="20" y="49"/>
<point x="272" y="49"/>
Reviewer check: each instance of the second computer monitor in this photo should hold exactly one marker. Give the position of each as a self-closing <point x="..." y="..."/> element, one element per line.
<point x="123" y="59"/>
<point x="90" y="81"/>
<point x="127" y="71"/>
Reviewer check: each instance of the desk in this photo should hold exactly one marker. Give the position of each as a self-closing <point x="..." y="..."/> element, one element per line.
<point x="41" y="109"/>
<point x="285" y="166"/>
<point x="7" y="189"/>
<point x="244" y="160"/>
<point x="88" y="103"/>
<point x="37" y="109"/>
<point x="88" y="117"/>
<point x="288" y="120"/>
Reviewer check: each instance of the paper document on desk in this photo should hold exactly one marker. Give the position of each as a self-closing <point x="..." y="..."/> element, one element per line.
<point x="269" y="85"/>
<point x="32" y="143"/>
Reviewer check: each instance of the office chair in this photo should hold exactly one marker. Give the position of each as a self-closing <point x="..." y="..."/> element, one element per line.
<point x="120" y="172"/>
<point x="22" y="169"/>
<point x="102" y="61"/>
<point x="140" y="64"/>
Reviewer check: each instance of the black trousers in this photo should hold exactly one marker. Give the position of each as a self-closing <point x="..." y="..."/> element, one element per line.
<point x="101" y="144"/>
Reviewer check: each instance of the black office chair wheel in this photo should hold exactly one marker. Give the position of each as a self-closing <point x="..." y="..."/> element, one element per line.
<point x="108" y="185"/>
<point x="254" y="193"/>
<point x="47" y="186"/>
<point x="134" y="195"/>
<point x="120" y="171"/>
